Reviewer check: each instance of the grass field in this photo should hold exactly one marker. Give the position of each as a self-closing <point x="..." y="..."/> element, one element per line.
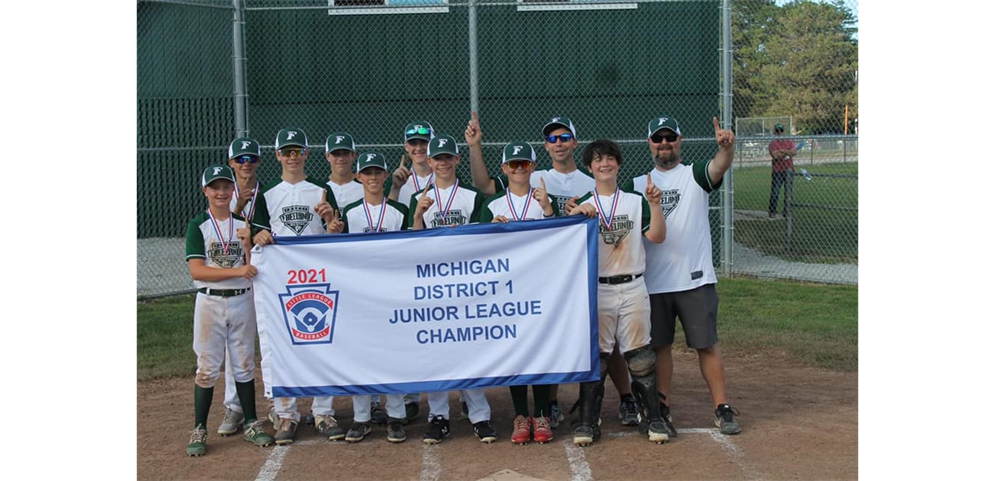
<point x="811" y="324"/>
<point x="819" y="235"/>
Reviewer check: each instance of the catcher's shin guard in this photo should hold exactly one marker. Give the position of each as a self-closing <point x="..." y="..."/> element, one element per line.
<point x="642" y="367"/>
<point x="592" y="393"/>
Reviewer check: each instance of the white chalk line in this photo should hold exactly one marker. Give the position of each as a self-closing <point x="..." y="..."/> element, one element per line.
<point x="431" y="470"/>
<point x="578" y="462"/>
<point x="275" y="460"/>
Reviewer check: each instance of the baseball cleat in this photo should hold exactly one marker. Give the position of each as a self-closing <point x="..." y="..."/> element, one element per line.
<point x="520" y="430"/>
<point x="583" y="435"/>
<point x="329" y="426"/>
<point x="358" y="431"/>
<point x="628" y="412"/>
<point x="484" y="432"/>
<point x="198" y="442"/>
<point x="395" y="430"/>
<point x="231" y="422"/>
<point x="542" y="433"/>
<point x="255" y="434"/>
<point x="437" y="431"/>
<point x="309" y="419"/>
<point x="555" y="415"/>
<point x="725" y="419"/>
<point x="285" y="432"/>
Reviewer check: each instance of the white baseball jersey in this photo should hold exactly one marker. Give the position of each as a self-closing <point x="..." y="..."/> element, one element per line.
<point x="347" y="193"/>
<point x="561" y="187"/>
<point x="684" y="260"/>
<point x="513" y="207"/>
<point x="288" y="209"/>
<point x="413" y="185"/>
<point x="360" y="216"/>
<point x="215" y="241"/>
<point x="456" y="204"/>
<point x="620" y="250"/>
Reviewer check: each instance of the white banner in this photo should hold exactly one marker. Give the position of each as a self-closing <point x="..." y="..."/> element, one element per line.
<point x="432" y="310"/>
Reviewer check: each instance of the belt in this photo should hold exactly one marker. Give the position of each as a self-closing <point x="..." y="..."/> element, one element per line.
<point x="223" y="292"/>
<point x="619" y="279"/>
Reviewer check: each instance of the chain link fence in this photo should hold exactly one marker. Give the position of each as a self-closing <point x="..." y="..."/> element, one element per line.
<point x="212" y="70"/>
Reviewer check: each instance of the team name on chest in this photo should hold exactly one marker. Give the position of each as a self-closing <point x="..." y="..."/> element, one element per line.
<point x="296" y="217"/>
<point x="614" y="234"/>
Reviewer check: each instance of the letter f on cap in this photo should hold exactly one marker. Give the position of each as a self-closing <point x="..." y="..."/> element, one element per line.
<point x="517" y="149"/>
<point x="217" y="170"/>
<point x="339" y="139"/>
<point x="291" y="134"/>
<point x="245" y="144"/>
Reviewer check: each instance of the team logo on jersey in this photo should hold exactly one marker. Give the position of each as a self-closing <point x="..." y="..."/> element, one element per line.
<point x="216" y="252"/>
<point x="621" y="225"/>
<point x="309" y="312"/>
<point x="561" y="203"/>
<point x="669" y="201"/>
<point x="454" y="216"/>
<point x="296" y="217"/>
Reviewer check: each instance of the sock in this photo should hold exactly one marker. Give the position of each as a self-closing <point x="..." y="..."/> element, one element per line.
<point x="247" y="397"/>
<point x="540" y="393"/>
<point x="520" y="399"/>
<point x="201" y="404"/>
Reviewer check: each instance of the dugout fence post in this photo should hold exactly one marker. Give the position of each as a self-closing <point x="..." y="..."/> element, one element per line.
<point x="472" y="34"/>
<point x="727" y="182"/>
<point x="240" y="99"/>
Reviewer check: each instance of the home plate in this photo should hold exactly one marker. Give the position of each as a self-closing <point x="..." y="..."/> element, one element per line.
<point x="508" y="475"/>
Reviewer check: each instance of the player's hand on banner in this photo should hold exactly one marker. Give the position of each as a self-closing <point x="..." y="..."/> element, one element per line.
<point x="402" y="173"/>
<point x="500" y="218"/>
<point x="571" y="203"/>
<point x="725" y="138"/>
<point x="543" y="198"/>
<point x="473" y="134"/>
<point x="653" y="193"/>
<point x="263" y="237"/>
<point x="335" y="224"/>
<point x="424" y="202"/>
<point x="585" y="209"/>
<point x="249" y="271"/>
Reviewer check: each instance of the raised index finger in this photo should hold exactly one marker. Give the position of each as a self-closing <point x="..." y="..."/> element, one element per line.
<point x="715" y="120"/>
<point x="649" y="178"/>
<point x="476" y="119"/>
<point x="543" y="182"/>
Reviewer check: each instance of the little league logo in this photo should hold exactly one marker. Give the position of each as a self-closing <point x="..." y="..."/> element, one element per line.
<point x="309" y="312"/>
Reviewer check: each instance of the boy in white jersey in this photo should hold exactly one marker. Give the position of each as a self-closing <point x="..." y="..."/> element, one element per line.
<point x="406" y="182"/>
<point x="521" y="202"/>
<point x="340" y="152"/>
<point x="623" y="303"/>
<point x="565" y="183"/>
<point x="224" y="319"/>
<point x="448" y="203"/>
<point x="679" y="274"/>
<point x="294" y="205"/>
<point x="374" y="213"/>
<point x="243" y="158"/>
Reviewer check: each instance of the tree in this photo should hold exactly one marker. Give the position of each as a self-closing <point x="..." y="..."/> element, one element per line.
<point x="799" y="60"/>
<point x="813" y="61"/>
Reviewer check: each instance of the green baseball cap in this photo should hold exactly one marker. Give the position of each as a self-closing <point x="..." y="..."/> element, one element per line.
<point x="419" y="129"/>
<point x="243" y="146"/>
<point x="442" y="144"/>
<point x="779" y="128"/>
<point x="518" y="151"/>
<point x="370" y="159"/>
<point x="216" y="172"/>
<point x="339" y="141"/>
<point x="559" y="122"/>
<point x="660" y="123"/>
<point x="291" y="138"/>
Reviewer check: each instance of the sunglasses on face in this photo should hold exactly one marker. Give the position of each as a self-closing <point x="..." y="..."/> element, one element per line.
<point x="420" y="130"/>
<point x="518" y="164"/>
<point x="289" y="152"/>
<point x="659" y="136"/>
<point x="246" y="159"/>
<point x="562" y="138"/>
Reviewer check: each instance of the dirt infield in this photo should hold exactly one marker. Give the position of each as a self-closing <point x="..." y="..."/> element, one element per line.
<point x="798" y="423"/>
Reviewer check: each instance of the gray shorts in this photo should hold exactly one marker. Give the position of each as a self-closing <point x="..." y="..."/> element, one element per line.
<point x="698" y="309"/>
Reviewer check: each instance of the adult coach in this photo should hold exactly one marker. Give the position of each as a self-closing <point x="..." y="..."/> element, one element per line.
<point x="679" y="273"/>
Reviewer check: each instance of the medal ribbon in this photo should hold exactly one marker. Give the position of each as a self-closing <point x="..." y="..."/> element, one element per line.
<point x="525" y="208"/>
<point x="217" y="230"/>
<point x="601" y="211"/>
<point x="369" y="216"/>
<point x="414" y="177"/>
<point x="252" y="210"/>
<point x="452" y="196"/>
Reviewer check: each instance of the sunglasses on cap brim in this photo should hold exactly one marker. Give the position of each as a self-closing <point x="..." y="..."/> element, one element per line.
<point x="659" y="136"/>
<point x="246" y="159"/>
<point x="567" y="137"/>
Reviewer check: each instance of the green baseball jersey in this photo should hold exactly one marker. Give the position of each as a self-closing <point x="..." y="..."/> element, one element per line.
<point x="514" y="207"/>
<point x="288" y="209"/>
<point x="456" y="204"/>
<point x="218" y="245"/>
<point x="561" y="187"/>
<point x="620" y="250"/>
<point x="386" y="217"/>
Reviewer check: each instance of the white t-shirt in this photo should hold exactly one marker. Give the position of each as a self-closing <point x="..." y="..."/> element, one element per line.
<point x="561" y="187"/>
<point x="456" y="204"/>
<point x="514" y="207"/>
<point x="215" y="241"/>
<point x="684" y="260"/>
<point x="414" y="184"/>
<point x="362" y="217"/>
<point x="348" y="193"/>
